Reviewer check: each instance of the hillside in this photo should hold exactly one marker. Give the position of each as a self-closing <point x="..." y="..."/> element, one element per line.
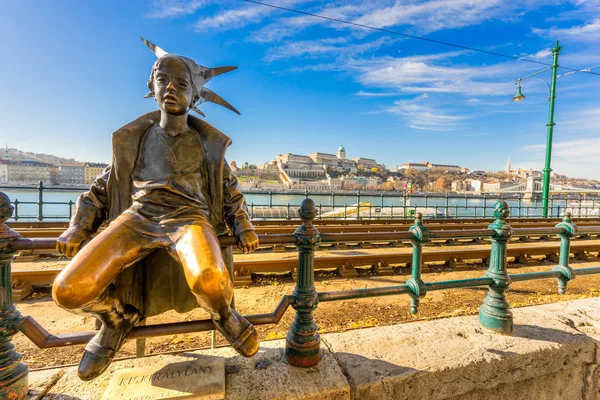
<point x="16" y="155"/>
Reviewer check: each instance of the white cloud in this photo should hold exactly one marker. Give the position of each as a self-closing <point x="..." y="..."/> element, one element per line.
<point x="588" y="32"/>
<point x="435" y="15"/>
<point x="286" y="27"/>
<point x="435" y="74"/>
<point x="420" y="115"/>
<point x="242" y="16"/>
<point x="176" y="8"/>
<point x="362" y="93"/>
<point x="328" y="47"/>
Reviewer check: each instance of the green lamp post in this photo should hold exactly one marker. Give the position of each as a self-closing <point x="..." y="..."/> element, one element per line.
<point x="552" y="95"/>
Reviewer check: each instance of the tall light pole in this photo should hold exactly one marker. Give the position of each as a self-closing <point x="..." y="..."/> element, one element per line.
<point x="552" y="95"/>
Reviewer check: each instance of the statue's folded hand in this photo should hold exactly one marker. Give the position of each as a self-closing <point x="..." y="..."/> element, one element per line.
<point x="71" y="241"/>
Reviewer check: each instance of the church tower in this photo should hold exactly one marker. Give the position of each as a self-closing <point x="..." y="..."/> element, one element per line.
<point x="508" y="166"/>
<point x="6" y="155"/>
<point x="341" y="153"/>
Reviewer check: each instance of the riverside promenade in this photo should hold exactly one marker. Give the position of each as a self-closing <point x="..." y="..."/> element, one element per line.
<point x="552" y="354"/>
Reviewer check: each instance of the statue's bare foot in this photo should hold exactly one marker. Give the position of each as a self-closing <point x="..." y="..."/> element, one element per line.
<point x="240" y="333"/>
<point x="101" y="350"/>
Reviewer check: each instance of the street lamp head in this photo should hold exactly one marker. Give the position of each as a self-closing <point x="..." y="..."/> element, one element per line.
<point x="556" y="49"/>
<point x="519" y="96"/>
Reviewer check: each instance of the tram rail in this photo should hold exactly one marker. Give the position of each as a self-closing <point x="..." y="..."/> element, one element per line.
<point x="349" y="265"/>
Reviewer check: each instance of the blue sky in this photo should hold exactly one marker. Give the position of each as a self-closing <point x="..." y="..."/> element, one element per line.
<point x="74" y="72"/>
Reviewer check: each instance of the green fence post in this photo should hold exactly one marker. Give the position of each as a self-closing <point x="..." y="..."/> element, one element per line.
<point x="302" y="341"/>
<point x="495" y="312"/>
<point x="270" y="199"/>
<point x="13" y="373"/>
<point x="358" y="204"/>
<point x="569" y="230"/>
<point x="415" y="283"/>
<point x="519" y="199"/>
<point x="40" y="189"/>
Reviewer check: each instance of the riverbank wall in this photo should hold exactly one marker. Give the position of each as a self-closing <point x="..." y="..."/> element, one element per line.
<point x="552" y="354"/>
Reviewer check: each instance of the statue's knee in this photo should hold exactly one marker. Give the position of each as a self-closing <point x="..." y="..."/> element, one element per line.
<point x="211" y="281"/>
<point x="69" y="295"/>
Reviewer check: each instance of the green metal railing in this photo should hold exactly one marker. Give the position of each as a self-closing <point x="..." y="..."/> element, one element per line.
<point x="380" y="205"/>
<point x="302" y="343"/>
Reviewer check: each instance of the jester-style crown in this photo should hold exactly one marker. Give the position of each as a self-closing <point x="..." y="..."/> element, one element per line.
<point x="200" y="75"/>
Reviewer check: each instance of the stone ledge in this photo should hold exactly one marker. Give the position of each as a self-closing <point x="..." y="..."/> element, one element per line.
<point x="278" y="381"/>
<point x="551" y="355"/>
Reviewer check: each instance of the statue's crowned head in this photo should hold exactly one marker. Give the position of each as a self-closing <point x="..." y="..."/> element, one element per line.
<point x="177" y="82"/>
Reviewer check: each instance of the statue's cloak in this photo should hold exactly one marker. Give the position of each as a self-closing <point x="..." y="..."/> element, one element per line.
<point x="157" y="284"/>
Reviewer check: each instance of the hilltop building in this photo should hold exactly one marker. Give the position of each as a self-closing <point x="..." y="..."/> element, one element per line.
<point x="313" y="171"/>
<point x="415" y="166"/>
<point x="425" y="166"/>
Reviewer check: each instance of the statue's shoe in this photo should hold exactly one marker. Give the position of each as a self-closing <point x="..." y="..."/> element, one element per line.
<point x="246" y="343"/>
<point x="103" y="347"/>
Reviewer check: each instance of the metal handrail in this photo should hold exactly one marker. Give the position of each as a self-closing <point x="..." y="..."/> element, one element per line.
<point x="403" y="211"/>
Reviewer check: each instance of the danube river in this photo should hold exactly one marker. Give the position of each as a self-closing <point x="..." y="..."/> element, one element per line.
<point x="56" y="205"/>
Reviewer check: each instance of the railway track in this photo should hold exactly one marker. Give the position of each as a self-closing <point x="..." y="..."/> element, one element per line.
<point x="350" y="264"/>
<point x="38" y="230"/>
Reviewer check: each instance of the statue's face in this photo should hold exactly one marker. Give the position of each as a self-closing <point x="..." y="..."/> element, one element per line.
<point x="173" y="89"/>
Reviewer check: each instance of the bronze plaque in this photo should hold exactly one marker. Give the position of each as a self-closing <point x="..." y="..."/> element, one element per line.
<point x="200" y="379"/>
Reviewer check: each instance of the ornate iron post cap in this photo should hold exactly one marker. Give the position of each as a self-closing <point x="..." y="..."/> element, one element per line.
<point x="501" y="213"/>
<point x="6" y="211"/>
<point x="6" y="208"/>
<point x="307" y="211"/>
<point x="420" y="233"/>
<point x="569" y="228"/>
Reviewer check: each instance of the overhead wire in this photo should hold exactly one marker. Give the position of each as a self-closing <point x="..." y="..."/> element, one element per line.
<point x="341" y="21"/>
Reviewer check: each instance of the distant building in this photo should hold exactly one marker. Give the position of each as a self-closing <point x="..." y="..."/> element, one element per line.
<point x="445" y="167"/>
<point x="329" y="160"/>
<point x="360" y="182"/>
<point x="32" y="171"/>
<point x="415" y="166"/>
<point x="366" y="163"/>
<point x="72" y="173"/>
<point x="289" y="160"/>
<point x="313" y="171"/>
<point x="92" y="170"/>
<point x="476" y="185"/>
<point x="496" y="186"/>
<point x="4" y="171"/>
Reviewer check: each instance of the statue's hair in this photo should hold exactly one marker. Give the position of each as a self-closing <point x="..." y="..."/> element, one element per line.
<point x="199" y="75"/>
<point x="189" y="65"/>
